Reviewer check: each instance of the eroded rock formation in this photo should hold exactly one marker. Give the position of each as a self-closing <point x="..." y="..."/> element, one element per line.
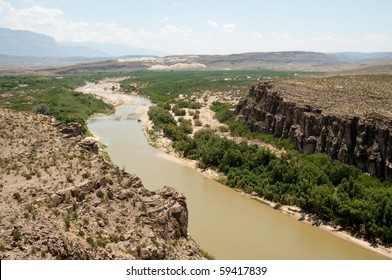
<point x="364" y="140"/>
<point x="59" y="199"/>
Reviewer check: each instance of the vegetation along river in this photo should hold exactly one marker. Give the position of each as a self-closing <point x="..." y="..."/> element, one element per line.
<point x="223" y="222"/>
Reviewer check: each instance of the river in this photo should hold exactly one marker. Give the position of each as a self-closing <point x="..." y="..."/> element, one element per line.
<point x="223" y="222"/>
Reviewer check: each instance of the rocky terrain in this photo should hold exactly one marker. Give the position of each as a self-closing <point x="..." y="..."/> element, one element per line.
<point x="60" y="199"/>
<point x="347" y="117"/>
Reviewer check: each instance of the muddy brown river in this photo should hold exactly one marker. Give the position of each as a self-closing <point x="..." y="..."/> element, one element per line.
<point x="223" y="222"/>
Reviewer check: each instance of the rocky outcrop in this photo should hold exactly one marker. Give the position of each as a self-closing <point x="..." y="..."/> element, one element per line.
<point x="72" y="130"/>
<point x="90" y="145"/>
<point x="59" y="199"/>
<point x="364" y="141"/>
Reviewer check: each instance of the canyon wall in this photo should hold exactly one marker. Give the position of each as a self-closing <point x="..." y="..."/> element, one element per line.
<point x="60" y="199"/>
<point x="364" y="141"/>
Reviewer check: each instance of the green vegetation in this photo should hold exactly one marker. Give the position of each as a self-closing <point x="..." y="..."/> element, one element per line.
<point x="53" y="96"/>
<point x="224" y="113"/>
<point x="335" y="192"/>
<point x="165" y="86"/>
<point x="206" y="255"/>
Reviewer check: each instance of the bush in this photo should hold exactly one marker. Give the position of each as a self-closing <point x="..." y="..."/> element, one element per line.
<point x="160" y="116"/>
<point x="42" y="109"/>
<point x="178" y="111"/>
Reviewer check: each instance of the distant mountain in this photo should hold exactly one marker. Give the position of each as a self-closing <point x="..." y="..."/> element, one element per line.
<point x="115" y="50"/>
<point x="359" y="57"/>
<point x="30" y="44"/>
<point x="292" y="61"/>
<point x="260" y="59"/>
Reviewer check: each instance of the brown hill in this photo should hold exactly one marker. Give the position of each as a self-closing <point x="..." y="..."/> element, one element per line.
<point x="59" y="199"/>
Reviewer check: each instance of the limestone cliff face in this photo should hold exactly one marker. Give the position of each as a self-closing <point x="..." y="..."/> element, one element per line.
<point x="365" y="142"/>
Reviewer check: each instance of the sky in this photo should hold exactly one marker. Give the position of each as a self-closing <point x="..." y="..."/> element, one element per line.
<point x="210" y="26"/>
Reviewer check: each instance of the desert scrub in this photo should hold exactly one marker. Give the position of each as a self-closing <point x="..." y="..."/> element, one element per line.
<point x="18" y="197"/>
<point x="67" y="222"/>
<point x="27" y="175"/>
<point x="100" y="194"/>
<point x="69" y="178"/>
<point x="86" y="175"/>
<point x="90" y="241"/>
<point x="206" y="255"/>
<point x="101" y="242"/>
<point x="16" y="235"/>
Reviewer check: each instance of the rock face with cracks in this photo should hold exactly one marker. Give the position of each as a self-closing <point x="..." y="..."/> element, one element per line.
<point x="358" y="134"/>
<point x="60" y="199"/>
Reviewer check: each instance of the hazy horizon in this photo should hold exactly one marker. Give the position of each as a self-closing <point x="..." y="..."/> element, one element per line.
<point x="214" y="27"/>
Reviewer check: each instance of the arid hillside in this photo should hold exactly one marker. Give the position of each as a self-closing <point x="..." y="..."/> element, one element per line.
<point x="60" y="199"/>
<point x="355" y="95"/>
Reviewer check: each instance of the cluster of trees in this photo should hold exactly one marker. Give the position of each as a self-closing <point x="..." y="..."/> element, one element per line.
<point x="52" y="96"/>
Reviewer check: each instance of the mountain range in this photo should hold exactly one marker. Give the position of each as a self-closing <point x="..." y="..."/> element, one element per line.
<point x="26" y="49"/>
<point x="31" y="44"/>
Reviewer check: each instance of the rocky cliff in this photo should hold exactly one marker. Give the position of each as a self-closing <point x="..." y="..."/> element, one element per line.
<point x="350" y="123"/>
<point x="59" y="199"/>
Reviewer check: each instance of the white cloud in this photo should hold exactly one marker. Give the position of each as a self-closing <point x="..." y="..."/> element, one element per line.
<point x="228" y="27"/>
<point x="27" y="18"/>
<point x="170" y="29"/>
<point x="212" y="23"/>
<point x="51" y="22"/>
<point x="148" y="34"/>
<point x="257" y="35"/>
<point x="376" y="37"/>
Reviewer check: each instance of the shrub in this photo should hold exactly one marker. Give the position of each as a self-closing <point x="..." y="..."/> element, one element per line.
<point x="42" y="108"/>
<point x="17" y="196"/>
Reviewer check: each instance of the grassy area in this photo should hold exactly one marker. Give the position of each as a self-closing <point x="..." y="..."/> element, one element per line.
<point x="165" y="86"/>
<point x="52" y="96"/>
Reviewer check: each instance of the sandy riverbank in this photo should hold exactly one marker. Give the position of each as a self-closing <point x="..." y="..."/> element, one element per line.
<point x="163" y="144"/>
<point x="109" y="91"/>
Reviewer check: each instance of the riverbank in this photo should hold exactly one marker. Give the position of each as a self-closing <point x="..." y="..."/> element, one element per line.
<point x="164" y="144"/>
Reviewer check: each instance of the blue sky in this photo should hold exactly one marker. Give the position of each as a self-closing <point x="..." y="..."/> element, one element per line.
<point x="210" y="26"/>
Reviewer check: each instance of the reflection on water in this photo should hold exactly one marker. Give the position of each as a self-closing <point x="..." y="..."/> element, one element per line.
<point x="224" y="223"/>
